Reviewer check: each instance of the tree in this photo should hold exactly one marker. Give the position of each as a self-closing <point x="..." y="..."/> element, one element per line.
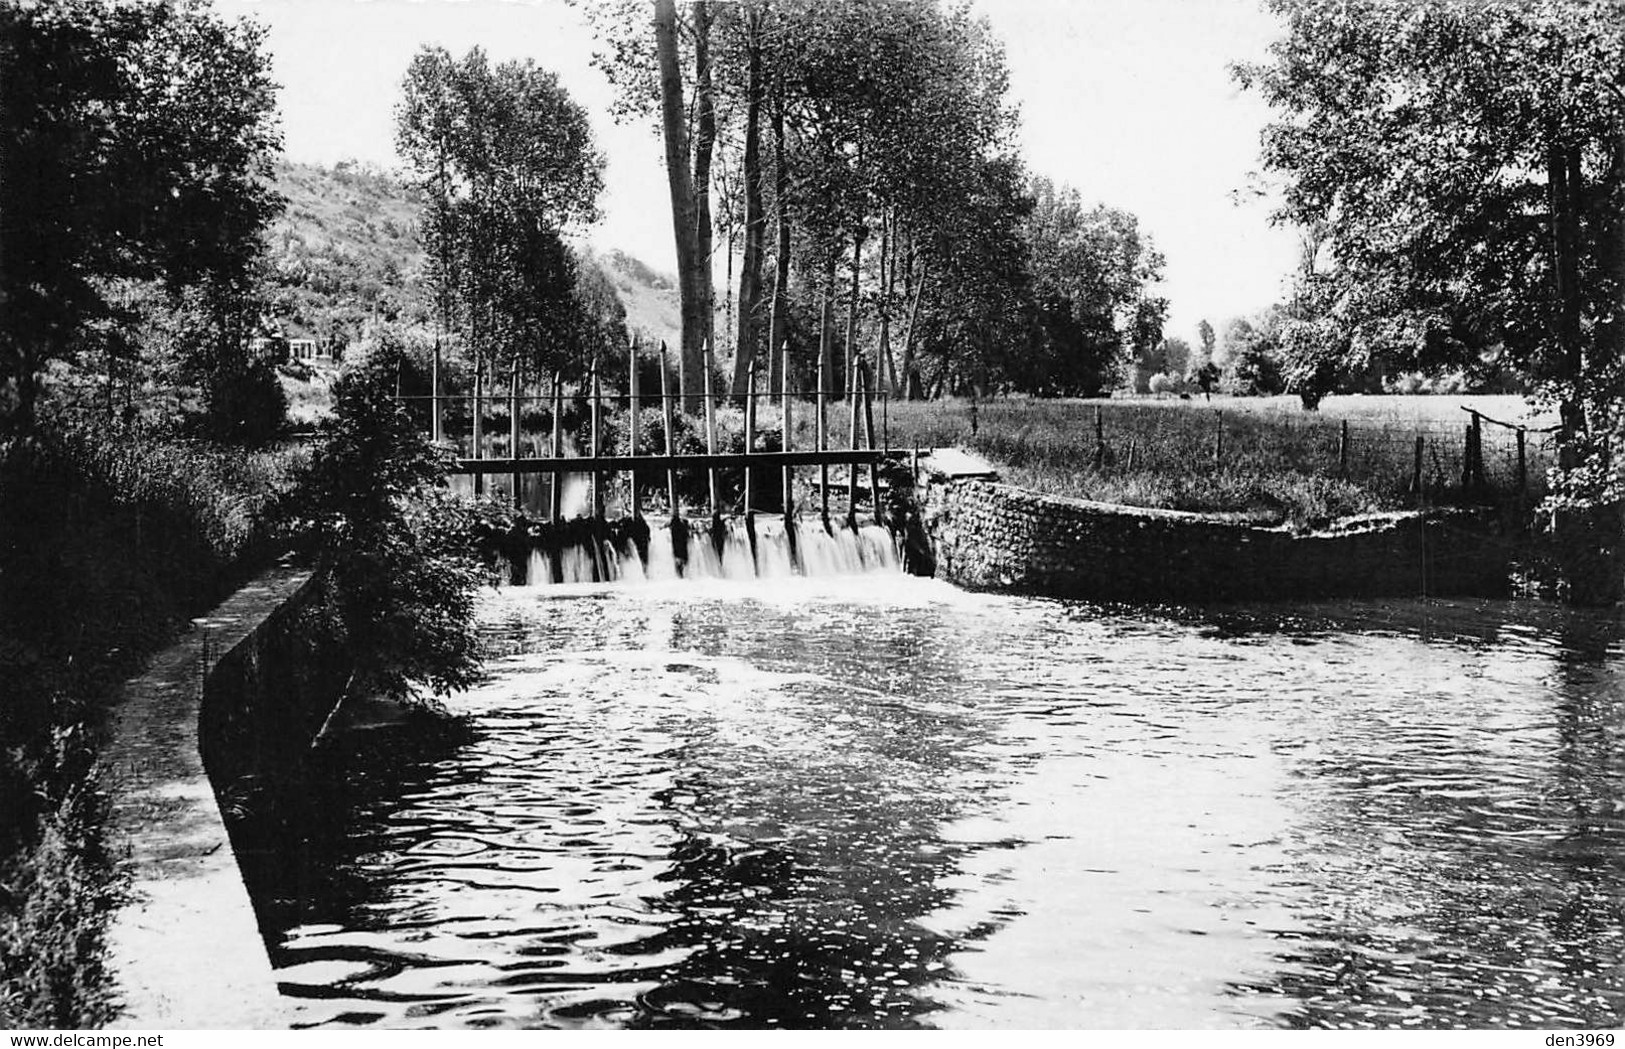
<point x="1254" y="355"/>
<point x="1466" y="161"/>
<point x="1093" y="277"/>
<point x="506" y="161"/>
<point x="138" y="146"/>
<point x="400" y="551"/>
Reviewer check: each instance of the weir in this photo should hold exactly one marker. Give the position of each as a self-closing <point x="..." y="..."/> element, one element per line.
<point x="587" y="517"/>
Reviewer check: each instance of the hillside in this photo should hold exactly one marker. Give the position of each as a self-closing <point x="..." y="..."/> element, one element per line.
<point x="346" y="249"/>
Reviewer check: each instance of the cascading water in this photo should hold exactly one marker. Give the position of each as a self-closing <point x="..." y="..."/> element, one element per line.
<point x="815" y="551"/>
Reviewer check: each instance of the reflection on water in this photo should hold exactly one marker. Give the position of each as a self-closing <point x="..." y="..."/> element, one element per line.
<point x="885" y="803"/>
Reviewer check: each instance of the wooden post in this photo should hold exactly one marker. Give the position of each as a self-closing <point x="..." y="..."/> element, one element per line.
<point x="1478" y="452"/>
<point x="1100" y="441"/>
<point x="711" y="438"/>
<point x="479" y="426"/>
<point x="822" y="429"/>
<point x="852" y="443"/>
<point x="866" y="386"/>
<point x="1416" y="469"/>
<point x="1523" y="467"/>
<point x="1218" y="439"/>
<point x="1343" y="450"/>
<point x="1467" y="460"/>
<point x="750" y="439"/>
<point x="437" y="427"/>
<point x="600" y="570"/>
<point x="592" y="442"/>
<point x="513" y="434"/>
<point x="557" y="448"/>
<point x="632" y="425"/>
<point x="789" y="433"/>
<point x="671" y="439"/>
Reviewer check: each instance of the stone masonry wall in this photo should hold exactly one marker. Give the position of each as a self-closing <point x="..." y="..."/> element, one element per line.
<point x="994" y="536"/>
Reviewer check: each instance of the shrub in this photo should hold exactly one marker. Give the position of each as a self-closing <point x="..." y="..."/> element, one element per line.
<point x="400" y="549"/>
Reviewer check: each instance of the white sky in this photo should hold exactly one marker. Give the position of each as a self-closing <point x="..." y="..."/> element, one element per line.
<point x="1128" y="100"/>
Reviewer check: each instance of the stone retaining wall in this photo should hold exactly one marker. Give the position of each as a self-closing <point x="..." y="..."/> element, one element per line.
<point x="186" y="946"/>
<point x="994" y="536"/>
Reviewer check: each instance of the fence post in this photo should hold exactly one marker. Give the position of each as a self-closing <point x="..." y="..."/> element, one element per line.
<point x="1467" y="460"/>
<point x="1218" y="439"/>
<point x="1523" y="467"/>
<point x="789" y="471"/>
<point x="513" y="435"/>
<point x="750" y="441"/>
<point x="1100" y="441"/>
<point x="866" y="385"/>
<point x="671" y="440"/>
<point x="1343" y="450"/>
<point x="437" y="431"/>
<point x="557" y="450"/>
<point x="1478" y="452"/>
<point x="1416" y="469"/>
<point x="711" y="439"/>
<point x="822" y="429"/>
<point x="852" y="442"/>
<point x="632" y="420"/>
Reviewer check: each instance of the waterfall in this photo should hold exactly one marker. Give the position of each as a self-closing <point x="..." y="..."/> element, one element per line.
<point x="815" y="552"/>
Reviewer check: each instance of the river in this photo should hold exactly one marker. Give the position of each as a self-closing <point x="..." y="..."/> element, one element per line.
<point x="879" y="801"/>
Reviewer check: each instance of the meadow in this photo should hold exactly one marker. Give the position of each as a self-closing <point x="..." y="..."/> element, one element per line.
<point x="1264" y="459"/>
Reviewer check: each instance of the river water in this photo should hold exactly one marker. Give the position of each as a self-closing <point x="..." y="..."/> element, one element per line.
<point x="879" y="801"/>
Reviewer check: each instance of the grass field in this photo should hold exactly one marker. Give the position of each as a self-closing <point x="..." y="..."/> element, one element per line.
<point x="1265" y="458"/>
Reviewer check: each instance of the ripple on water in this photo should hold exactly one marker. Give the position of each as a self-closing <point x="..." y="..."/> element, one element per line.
<point x="906" y="806"/>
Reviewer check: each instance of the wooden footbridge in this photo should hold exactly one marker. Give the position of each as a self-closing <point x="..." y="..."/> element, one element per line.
<point x="550" y="454"/>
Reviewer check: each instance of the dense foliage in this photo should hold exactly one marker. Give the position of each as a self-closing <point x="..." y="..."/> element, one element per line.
<point x="138" y="140"/>
<point x="505" y="162"/>
<point x="107" y="545"/>
<point x="1460" y="168"/>
<point x="863" y="153"/>
<point x="398" y="547"/>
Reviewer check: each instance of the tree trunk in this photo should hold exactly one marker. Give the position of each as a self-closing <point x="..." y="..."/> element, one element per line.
<point x="859" y="235"/>
<point x="679" y="179"/>
<point x="705" y="138"/>
<point x="1563" y="186"/>
<point x="750" y="270"/>
<point x="778" y="318"/>
<point x="913" y="391"/>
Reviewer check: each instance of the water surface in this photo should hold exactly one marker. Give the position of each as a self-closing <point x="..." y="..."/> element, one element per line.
<point x="881" y="802"/>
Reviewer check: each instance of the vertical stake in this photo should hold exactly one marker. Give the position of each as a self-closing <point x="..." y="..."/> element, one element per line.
<point x="632" y="420"/>
<point x="750" y="436"/>
<point x="822" y="429"/>
<point x="600" y="569"/>
<point x="866" y="387"/>
<point x="1218" y="439"/>
<point x="852" y="443"/>
<point x="1523" y="467"/>
<point x="479" y="424"/>
<point x="437" y="430"/>
<point x="1416" y="469"/>
<point x="789" y="434"/>
<point x="1343" y="450"/>
<point x="513" y="435"/>
<point x="711" y="438"/>
<point x="671" y="440"/>
<point x="556" y="450"/>
<point x="1100" y="440"/>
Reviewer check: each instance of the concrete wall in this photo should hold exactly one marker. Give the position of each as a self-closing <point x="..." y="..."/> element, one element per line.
<point x="993" y="536"/>
<point x="186" y="946"/>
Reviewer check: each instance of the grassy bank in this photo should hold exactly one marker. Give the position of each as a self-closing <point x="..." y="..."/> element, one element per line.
<point x="1263" y="458"/>
<point x="108" y="543"/>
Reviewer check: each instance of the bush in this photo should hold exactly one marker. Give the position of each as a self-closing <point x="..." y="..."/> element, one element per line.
<point x="400" y="550"/>
<point x="107" y="544"/>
